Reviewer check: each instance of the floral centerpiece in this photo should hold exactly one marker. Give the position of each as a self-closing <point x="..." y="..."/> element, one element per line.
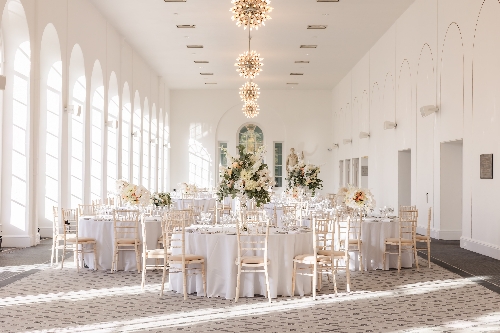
<point x="303" y="175"/>
<point x="133" y="194"/>
<point x="246" y="177"/>
<point x="359" y="198"/>
<point x="161" y="199"/>
<point x="188" y="188"/>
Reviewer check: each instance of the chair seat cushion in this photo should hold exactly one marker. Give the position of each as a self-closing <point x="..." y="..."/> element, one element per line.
<point x="309" y="258"/>
<point x="80" y="239"/>
<point x="327" y="253"/>
<point x="187" y="257"/>
<point x="396" y="240"/>
<point x="251" y="260"/>
<point x="127" y="241"/>
<point x="423" y="238"/>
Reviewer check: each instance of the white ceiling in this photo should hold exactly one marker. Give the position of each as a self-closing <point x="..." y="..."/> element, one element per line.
<point x="353" y="27"/>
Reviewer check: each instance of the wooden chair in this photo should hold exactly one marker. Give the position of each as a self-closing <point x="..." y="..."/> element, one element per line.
<point x="156" y="253"/>
<point x="187" y="200"/>
<point x="126" y="235"/>
<point x="57" y="235"/>
<point x="406" y="242"/>
<point x="426" y="239"/>
<point x="219" y="210"/>
<point x="87" y="210"/>
<point x="325" y="257"/>
<point x="252" y="247"/>
<point x="355" y="241"/>
<point x="174" y="235"/>
<point x="72" y="242"/>
<point x="290" y="211"/>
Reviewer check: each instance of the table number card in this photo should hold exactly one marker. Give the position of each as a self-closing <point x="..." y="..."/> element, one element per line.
<point x="486" y="166"/>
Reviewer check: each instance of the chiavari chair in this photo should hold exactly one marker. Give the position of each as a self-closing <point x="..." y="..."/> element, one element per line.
<point x="426" y="238"/>
<point x="126" y="235"/>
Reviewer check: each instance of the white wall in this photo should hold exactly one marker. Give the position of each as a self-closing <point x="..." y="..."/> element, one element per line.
<point x="404" y="178"/>
<point x="451" y="189"/>
<point x="439" y="52"/>
<point x="299" y="118"/>
<point x="54" y="28"/>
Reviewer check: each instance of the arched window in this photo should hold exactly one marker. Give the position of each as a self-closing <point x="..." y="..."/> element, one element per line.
<point x="199" y="164"/>
<point x="20" y="114"/>
<point x="126" y="141"/>
<point x="112" y="155"/>
<point x="166" y="145"/>
<point x="137" y="147"/>
<point x="96" y="148"/>
<point x="145" y="148"/>
<point x="154" y="146"/>
<point x="54" y="87"/>
<point x="77" y="144"/>
<point x="251" y="137"/>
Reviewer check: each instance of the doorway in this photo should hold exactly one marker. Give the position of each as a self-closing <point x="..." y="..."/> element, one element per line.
<point x="404" y="178"/>
<point x="451" y="190"/>
<point x="347" y="172"/>
<point x="341" y="173"/>
<point x="355" y="172"/>
<point x="364" y="172"/>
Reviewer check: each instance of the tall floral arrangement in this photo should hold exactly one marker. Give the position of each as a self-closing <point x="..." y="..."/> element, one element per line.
<point x="303" y="175"/>
<point x="188" y="188"/>
<point x="359" y="198"/>
<point x="133" y="194"/>
<point x="246" y="177"/>
<point x="159" y="199"/>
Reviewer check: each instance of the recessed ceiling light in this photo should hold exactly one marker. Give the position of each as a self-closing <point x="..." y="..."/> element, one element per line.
<point x="296" y="73"/>
<point x="308" y="46"/>
<point x="201" y="62"/>
<point x="312" y="26"/>
<point x="187" y="26"/>
<point x="326" y="14"/>
<point x="302" y="61"/>
<point x="194" y="46"/>
<point x="206" y="73"/>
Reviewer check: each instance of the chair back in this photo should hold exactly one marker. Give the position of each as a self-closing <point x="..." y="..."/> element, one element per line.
<point x="344" y="231"/>
<point x="126" y="224"/>
<point x="408" y="216"/>
<point x="323" y="235"/>
<point x="252" y="233"/>
<point x="356" y="221"/>
<point x="70" y="218"/>
<point x="174" y="224"/>
<point x="87" y="210"/>
<point x="56" y="224"/>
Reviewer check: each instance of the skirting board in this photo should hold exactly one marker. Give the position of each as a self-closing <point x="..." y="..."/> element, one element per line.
<point x="483" y="248"/>
<point x="46" y="232"/>
<point x="441" y="234"/>
<point x="17" y="241"/>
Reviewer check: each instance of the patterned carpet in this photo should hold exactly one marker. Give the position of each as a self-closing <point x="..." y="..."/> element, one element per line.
<point x="432" y="300"/>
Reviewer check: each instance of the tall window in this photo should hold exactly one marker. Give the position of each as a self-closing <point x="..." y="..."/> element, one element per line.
<point x="145" y="150"/>
<point x="222" y="154"/>
<point x="278" y="164"/>
<point x="166" y="145"/>
<point x="161" y="154"/>
<point x="54" y="86"/>
<point x="136" y="163"/>
<point x="154" y="147"/>
<point x="96" y="148"/>
<point x="79" y="93"/>
<point x="251" y="137"/>
<point x="22" y="67"/>
<point x="199" y="164"/>
<point x="126" y="130"/>
<point x="112" y="155"/>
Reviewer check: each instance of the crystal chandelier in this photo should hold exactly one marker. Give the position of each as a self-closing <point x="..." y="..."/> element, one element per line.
<point x="249" y="92"/>
<point x="250" y="13"/>
<point x="249" y="64"/>
<point x="251" y="109"/>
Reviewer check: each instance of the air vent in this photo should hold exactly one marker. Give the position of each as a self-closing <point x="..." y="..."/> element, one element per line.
<point x="308" y="46"/>
<point x="302" y="61"/>
<point x="174" y="0"/>
<point x="327" y="0"/>
<point x="313" y="27"/>
<point x="201" y="62"/>
<point x="296" y="73"/>
<point x="194" y="46"/>
<point x="206" y="73"/>
<point x="210" y="82"/>
<point x="292" y="83"/>
<point x="188" y="26"/>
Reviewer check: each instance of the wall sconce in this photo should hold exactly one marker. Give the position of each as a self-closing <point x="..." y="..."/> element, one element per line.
<point x="3" y="82"/>
<point x="428" y="110"/>
<point x="364" y="135"/>
<point x="390" y="125"/>
<point x="347" y="141"/>
<point x="75" y="110"/>
<point x="136" y="134"/>
<point x="154" y="141"/>
<point x="112" y="123"/>
<point x="335" y="145"/>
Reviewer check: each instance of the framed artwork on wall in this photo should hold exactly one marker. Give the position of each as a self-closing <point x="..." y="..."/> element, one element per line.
<point x="486" y="166"/>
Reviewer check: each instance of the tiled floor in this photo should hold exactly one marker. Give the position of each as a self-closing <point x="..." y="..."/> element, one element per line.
<point x="432" y="300"/>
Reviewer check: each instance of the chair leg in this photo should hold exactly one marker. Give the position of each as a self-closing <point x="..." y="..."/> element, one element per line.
<point x="399" y="260"/>
<point x="163" y="277"/>
<point x="266" y="272"/>
<point x="143" y="281"/>
<point x="95" y="257"/>
<point x="294" y="277"/>
<point x="383" y="259"/>
<point x="63" y="255"/>
<point x="361" y="260"/>
<point x="114" y="259"/>
<point x="137" y="258"/>
<point x="53" y="249"/>
<point x="416" y="255"/>
<point x="184" y="281"/>
<point x="429" y="253"/>
<point x="335" y="280"/>
<point x="314" y="280"/>
<point x="348" y="276"/>
<point x="237" y="296"/>
<point x="204" y="276"/>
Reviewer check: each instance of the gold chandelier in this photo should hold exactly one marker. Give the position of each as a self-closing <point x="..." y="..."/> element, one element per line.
<point x="249" y="92"/>
<point x="249" y="64"/>
<point x="251" y="109"/>
<point x="250" y="13"/>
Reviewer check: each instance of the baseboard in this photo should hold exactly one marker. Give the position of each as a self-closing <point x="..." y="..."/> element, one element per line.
<point x="441" y="234"/>
<point x="483" y="248"/>
<point x="46" y="232"/>
<point x="17" y="241"/>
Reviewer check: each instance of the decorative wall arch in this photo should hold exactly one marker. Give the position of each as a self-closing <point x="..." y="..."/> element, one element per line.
<point x="126" y="130"/>
<point x="96" y="117"/>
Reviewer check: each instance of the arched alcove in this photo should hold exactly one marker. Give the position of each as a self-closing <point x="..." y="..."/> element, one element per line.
<point x="112" y="128"/>
<point x="96" y="132"/>
<point x="145" y="143"/>
<point x="154" y="149"/>
<point x="136" y="139"/>
<point x="126" y="131"/>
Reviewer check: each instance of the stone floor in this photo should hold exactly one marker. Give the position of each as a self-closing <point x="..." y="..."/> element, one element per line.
<point x="54" y="300"/>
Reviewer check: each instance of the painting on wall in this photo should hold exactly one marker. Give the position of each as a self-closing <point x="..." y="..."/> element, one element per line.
<point x="486" y="166"/>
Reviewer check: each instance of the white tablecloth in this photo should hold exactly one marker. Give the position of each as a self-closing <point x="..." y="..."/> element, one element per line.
<point x="373" y="234"/>
<point x="220" y="253"/>
<point x="205" y="203"/>
<point x="103" y="233"/>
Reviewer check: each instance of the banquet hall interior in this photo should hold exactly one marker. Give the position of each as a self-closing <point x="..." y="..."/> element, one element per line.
<point x="249" y="165"/>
